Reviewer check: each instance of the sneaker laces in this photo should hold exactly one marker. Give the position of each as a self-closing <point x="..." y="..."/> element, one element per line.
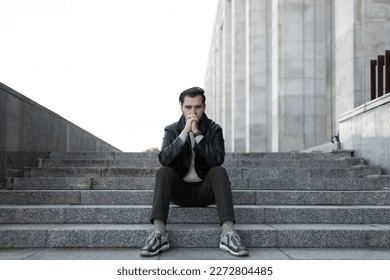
<point x="236" y="237"/>
<point x="234" y="234"/>
<point x="151" y="237"/>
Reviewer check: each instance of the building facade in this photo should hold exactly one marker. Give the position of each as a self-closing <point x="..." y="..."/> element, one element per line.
<point x="281" y="72"/>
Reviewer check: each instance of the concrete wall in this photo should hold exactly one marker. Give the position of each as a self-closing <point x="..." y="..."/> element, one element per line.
<point x="29" y="130"/>
<point x="366" y="129"/>
<point x="361" y="33"/>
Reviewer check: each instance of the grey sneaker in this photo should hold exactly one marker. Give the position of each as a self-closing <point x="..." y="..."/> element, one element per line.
<point x="232" y="244"/>
<point x="155" y="243"/>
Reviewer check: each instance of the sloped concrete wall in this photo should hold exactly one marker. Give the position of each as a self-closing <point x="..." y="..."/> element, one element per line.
<point x="28" y="130"/>
<point x="366" y="129"/>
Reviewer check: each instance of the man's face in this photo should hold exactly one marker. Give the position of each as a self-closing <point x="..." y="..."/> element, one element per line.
<point x="193" y="106"/>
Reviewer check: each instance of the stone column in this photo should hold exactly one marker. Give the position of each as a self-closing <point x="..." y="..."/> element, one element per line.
<point x="228" y="103"/>
<point x="299" y="64"/>
<point x="218" y="84"/>
<point x="316" y="57"/>
<point x="259" y="78"/>
<point x="239" y="88"/>
<point x="239" y="79"/>
<point x="344" y="35"/>
<point x="275" y="77"/>
<point x="288" y="61"/>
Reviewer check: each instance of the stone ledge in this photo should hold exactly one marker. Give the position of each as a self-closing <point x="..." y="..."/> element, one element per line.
<point x="365" y="107"/>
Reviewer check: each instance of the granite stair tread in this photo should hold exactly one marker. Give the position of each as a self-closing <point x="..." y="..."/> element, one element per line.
<point x="371" y="182"/>
<point x="265" y="163"/>
<point x="69" y="214"/>
<point x="240" y="197"/>
<point x="355" y="171"/>
<point x="228" y="156"/>
<point x="193" y="235"/>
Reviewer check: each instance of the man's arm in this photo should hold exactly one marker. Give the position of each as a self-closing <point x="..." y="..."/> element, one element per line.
<point x="212" y="149"/>
<point x="171" y="147"/>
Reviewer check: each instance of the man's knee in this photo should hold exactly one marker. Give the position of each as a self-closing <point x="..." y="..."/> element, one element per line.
<point x="165" y="171"/>
<point x="218" y="171"/>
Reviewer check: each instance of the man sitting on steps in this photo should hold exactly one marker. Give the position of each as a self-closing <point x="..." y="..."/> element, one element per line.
<point x="192" y="153"/>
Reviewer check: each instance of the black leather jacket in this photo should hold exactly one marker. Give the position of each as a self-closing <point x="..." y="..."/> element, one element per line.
<point x="209" y="152"/>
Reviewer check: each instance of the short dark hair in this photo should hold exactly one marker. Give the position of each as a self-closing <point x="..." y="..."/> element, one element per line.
<point x="192" y="92"/>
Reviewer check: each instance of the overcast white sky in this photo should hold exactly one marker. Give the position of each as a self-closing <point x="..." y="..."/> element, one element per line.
<point x="113" y="67"/>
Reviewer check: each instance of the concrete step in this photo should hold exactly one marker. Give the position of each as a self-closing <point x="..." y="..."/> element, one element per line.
<point x="89" y="172"/>
<point x="135" y="214"/>
<point x="134" y="163"/>
<point x="264" y="163"/>
<point x="374" y="182"/>
<point x="228" y="156"/>
<point x="47" y="183"/>
<point x="292" y="155"/>
<point x="356" y="171"/>
<point x="206" y="254"/>
<point x="101" y="156"/>
<point x="195" y="236"/>
<point x="240" y="197"/>
<point x="295" y="163"/>
<point x="379" y="182"/>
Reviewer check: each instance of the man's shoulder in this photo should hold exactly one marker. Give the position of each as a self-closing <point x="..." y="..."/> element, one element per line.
<point x="210" y="123"/>
<point x="179" y="125"/>
<point x="214" y="125"/>
<point x="173" y="127"/>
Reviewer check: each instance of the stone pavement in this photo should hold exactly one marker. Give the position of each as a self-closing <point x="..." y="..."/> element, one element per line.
<point x="197" y="254"/>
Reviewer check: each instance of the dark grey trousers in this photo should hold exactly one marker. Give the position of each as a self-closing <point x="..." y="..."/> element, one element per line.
<point x="215" y="188"/>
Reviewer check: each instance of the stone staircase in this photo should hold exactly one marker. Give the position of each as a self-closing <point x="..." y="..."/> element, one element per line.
<point x="282" y="200"/>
